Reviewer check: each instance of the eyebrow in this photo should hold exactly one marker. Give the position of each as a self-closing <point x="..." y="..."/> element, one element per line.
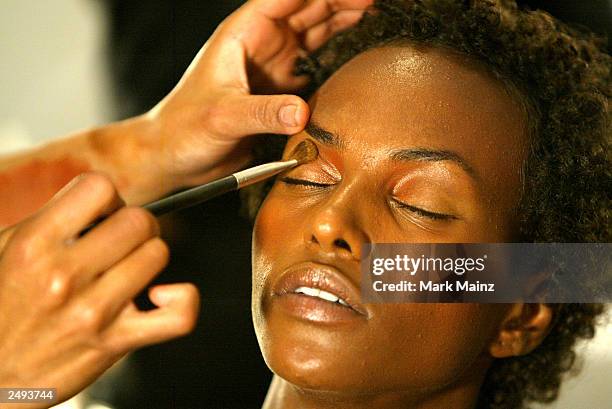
<point x="433" y="155"/>
<point x="415" y="154"/>
<point x="322" y="135"/>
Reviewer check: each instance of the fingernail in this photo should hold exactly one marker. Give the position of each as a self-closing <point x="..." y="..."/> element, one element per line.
<point x="287" y="115"/>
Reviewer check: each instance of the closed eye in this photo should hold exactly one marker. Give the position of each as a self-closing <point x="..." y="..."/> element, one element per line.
<point x="302" y="182"/>
<point x="425" y="213"/>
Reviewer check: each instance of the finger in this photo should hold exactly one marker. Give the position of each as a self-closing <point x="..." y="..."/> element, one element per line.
<point x="317" y="11"/>
<point x="316" y="36"/>
<point x="79" y="203"/>
<point x="112" y="240"/>
<point x="337" y="5"/>
<point x="313" y="13"/>
<point x="125" y="280"/>
<point x="280" y="114"/>
<point x="177" y="315"/>
<point x="275" y="9"/>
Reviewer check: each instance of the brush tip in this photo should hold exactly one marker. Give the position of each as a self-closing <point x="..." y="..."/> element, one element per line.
<point x="306" y="151"/>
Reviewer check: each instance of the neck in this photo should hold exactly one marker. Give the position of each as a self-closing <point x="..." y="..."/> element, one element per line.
<point x="283" y="394"/>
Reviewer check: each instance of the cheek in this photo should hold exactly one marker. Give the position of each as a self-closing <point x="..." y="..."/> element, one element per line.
<point x="273" y="235"/>
<point x="428" y="346"/>
<point x="272" y="226"/>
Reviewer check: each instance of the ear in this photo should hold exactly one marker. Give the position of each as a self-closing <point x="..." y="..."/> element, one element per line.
<point x="523" y="328"/>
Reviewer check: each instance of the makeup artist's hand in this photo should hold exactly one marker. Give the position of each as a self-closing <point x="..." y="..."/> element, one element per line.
<point x="199" y="129"/>
<point x="239" y="84"/>
<point x="66" y="309"/>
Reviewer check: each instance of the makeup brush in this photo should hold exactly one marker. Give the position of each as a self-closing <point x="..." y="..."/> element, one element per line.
<point x="306" y="151"/>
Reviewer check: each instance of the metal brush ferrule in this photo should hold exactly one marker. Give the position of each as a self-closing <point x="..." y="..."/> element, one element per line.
<point x="258" y="173"/>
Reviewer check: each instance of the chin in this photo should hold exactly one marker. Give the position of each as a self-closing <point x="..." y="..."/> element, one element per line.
<point x="310" y="357"/>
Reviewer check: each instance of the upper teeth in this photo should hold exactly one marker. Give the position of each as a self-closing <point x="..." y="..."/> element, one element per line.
<point x="315" y="292"/>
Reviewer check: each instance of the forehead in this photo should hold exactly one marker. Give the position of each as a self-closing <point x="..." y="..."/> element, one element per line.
<point x="401" y="96"/>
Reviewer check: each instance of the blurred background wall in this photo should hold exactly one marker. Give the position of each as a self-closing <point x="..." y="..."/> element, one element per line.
<point x="53" y="74"/>
<point x="69" y="64"/>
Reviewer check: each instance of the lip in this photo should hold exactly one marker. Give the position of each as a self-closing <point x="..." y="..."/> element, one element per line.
<point x="323" y="277"/>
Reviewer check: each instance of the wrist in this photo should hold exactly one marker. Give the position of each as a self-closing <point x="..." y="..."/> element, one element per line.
<point x="131" y="153"/>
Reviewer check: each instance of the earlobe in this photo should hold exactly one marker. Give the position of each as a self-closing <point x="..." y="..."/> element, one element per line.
<point x="522" y="330"/>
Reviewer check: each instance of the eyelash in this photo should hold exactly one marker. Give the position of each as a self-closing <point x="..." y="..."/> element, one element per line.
<point x="425" y="213"/>
<point x="301" y="182"/>
<point x="414" y="209"/>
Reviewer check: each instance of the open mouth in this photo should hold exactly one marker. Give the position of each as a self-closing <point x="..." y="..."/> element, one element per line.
<point x="319" y="293"/>
<point x="322" y="294"/>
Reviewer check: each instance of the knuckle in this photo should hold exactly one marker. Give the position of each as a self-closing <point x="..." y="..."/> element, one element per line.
<point x="89" y="318"/>
<point x="139" y="220"/>
<point x="24" y="246"/>
<point x="57" y="289"/>
<point x="297" y="23"/>
<point x="264" y="113"/>
<point x="100" y="185"/>
<point x="159" y="250"/>
<point x="155" y="254"/>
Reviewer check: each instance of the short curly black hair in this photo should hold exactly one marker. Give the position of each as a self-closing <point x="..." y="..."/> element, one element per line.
<point x="563" y="74"/>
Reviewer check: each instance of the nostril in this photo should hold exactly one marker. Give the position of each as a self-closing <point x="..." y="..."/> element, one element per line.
<point x="313" y="239"/>
<point x="342" y="244"/>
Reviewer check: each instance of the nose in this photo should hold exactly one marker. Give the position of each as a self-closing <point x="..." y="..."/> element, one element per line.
<point x="335" y="231"/>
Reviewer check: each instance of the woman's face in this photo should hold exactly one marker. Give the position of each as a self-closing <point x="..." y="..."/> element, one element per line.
<point x="415" y="145"/>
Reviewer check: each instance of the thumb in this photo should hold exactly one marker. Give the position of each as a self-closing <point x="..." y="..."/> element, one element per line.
<point x="243" y="115"/>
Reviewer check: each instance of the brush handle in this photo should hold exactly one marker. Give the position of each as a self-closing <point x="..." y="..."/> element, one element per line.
<point x="199" y="194"/>
<point x="186" y="198"/>
<point x="193" y="196"/>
